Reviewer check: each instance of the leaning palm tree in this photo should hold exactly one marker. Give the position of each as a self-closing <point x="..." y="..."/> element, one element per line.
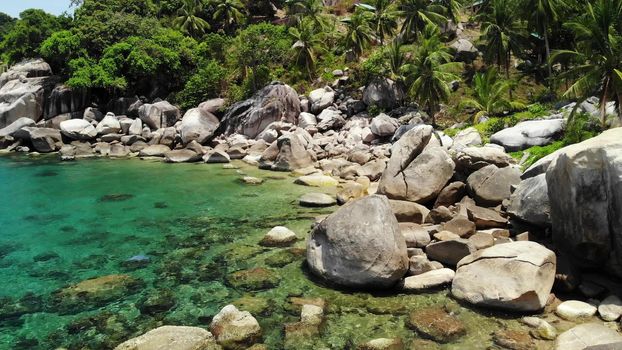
<point x="502" y="33"/>
<point x="384" y="18"/>
<point x="188" y="19"/>
<point x="490" y="96"/>
<point x="418" y="14"/>
<point x="307" y="43"/>
<point x="230" y="13"/>
<point x="431" y="72"/>
<point x="598" y="55"/>
<point x="359" y="33"/>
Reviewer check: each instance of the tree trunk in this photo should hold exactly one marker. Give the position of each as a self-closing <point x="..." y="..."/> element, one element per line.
<point x="547" y="48"/>
<point x="507" y="71"/>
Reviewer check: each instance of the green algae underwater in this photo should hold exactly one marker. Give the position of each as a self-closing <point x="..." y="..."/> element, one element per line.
<point x="169" y="239"/>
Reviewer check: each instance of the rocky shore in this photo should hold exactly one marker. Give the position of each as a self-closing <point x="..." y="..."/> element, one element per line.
<point x="421" y="211"/>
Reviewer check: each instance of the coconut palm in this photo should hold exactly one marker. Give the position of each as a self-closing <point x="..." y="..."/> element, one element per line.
<point x="384" y="18"/>
<point x="230" y="13"/>
<point x="396" y="60"/>
<point x="307" y="43"/>
<point x="598" y="55"/>
<point x="359" y="33"/>
<point x="418" y="14"/>
<point x="502" y="32"/>
<point x="490" y="95"/>
<point x="431" y="71"/>
<point x="189" y="20"/>
<point x="452" y="9"/>
<point x="312" y="9"/>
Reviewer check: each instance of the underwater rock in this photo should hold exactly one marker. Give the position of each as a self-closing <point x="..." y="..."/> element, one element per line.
<point x="95" y="292"/>
<point x="136" y="262"/>
<point x="115" y="197"/>
<point x="45" y="256"/>
<point x="512" y="339"/>
<point x="310" y="324"/>
<point x="249" y="180"/>
<point x="281" y="258"/>
<point x="254" y="279"/>
<point x="156" y="303"/>
<point x="382" y="344"/>
<point x="254" y="305"/>
<point x="172" y="337"/>
<point x="235" y="329"/>
<point x="279" y="236"/>
<point x="436" y="324"/>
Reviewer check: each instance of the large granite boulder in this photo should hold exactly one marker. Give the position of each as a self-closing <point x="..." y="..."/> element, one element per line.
<point x="109" y="125"/>
<point x="292" y="154"/>
<point x="383" y="93"/>
<point x="159" y="115"/>
<point x="12" y="128"/>
<point x="198" y="125"/>
<point x="64" y="99"/>
<point x="43" y="140"/>
<point x="383" y="125"/>
<point x="515" y="276"/>
<point x="321" y="99"/>
<point x="172" y="337"/>
<point x="275" y="102"/>
<point x="464" y="50"/>
<point x="490" y="185"/>
<point x="78" y="129"/>
<point x="585" y="192"/>
<point x="416" y="172"/>
<point x="34" y="68"/>
<point x="360" y="246"/>
<point x="530" y="202"/>
<point x="528" y="134"/>
<point x="22" y="98"/>
<point x="469" y="159"/>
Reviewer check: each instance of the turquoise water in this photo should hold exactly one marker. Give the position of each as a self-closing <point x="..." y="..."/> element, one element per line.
<point x="192" y="225"/>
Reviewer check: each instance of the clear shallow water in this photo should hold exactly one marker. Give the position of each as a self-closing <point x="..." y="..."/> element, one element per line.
<point x="63" y="223"/>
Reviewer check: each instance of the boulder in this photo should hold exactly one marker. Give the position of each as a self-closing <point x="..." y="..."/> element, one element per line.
<point x="467" y="138"/>
<point x="307" y="120"/>
<point x="529" y="133"/>
<point x="382" y="344"/>
<point x="450" y="252"/>
<point x="22" y="98"/>
<point x="159" y="115"/>
<point x="109" y="125"/>
<point x="275" y="102"/>
<point x="292" y="154"/>
<point x="415" y="235"/>
<point x="530" y="202"/>
<point x="316" y="200"/>
<point x="587" y="336"/>
<point x="585" y="194"/>
<point x="515" y="276"/>
<point x="384" y="94"/>
<point x="459" y="225"/>
<point x="436" y="324"/>
<point x="490" y="185"/>
<point x="216" y="156"/>
<point x="136" y="128"/>
<point x="213" y="106"/>
<point x="428" y="280"/>
<point x="409" y="211"/>
<point x="330" y="119"/>
<point x="66" y="100"/>
<point x="485" y="218"/>
<point x="43" y="140"/>
<point x="32" y="68"/>
<point x="574" y="309"/>
<point x="320" y="99"/>
<point x="415" y="172"/>
<point x="172" y="337"/>
<point x="78" y="129"/>
<point x="279" y="236"/>
<point x="182" y="156"/>
<point x="198" y="125"/>
<point x="235" y="329"/>
<point x="464" y="50"/>
<point x="451" y="194"/>
<point x="154" y="151"/>
<point x="383" y="125"/>
<point x="474" y="158"/>
<point x="20" y="123"/>
<point x="360" y="246"/>
<point x="610" y="309"/>
<point x="317" y="180"/>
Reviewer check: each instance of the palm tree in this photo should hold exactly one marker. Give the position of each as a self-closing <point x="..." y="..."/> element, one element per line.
<point x="384" y="18"/>
<point x="490" y="95"/>
<point x="431" y="72"/>
<point x="502" y="33"/>
<point x="359" y="34"/>
<point x="312" y="9"/>
<point x="396" y="60"/>
<point x="188" y="19"/>
<point x="541" y="15"/>
<point x="452" y="8"/>
<point x="230" y="13"/>
<point x="307" y="43"/>
<point x="418" y="14"/>
<point x="598" y="55"/>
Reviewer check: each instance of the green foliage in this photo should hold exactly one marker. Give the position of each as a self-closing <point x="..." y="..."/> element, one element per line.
<point x="359" y="33"/>
<point x="307" y="43"/>
<point x="208" y="82"/>
<point x="6" y="23"/>
<point x="189" y="19"/>
<point x="536" y="153"/>
<point x="581" y="128"/>
<point x="418" y="14"/>
<point x="26" y="35"/>
<point x="61" y="47"/>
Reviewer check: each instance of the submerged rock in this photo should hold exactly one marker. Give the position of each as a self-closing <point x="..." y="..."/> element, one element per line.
<point x="254" y="279"/>
<point x="360" y="245"/>
<point x="279" y="236"/>
<point x="317" y="200"/>
<point x="436" y="324"/>
<point x="382" y="344"/>
<point x="95" y="292"/>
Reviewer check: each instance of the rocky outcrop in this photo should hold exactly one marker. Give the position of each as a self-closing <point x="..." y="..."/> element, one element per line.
<point x="275" y="102"/>
<point x="528" y="134"/>
<point x="172" y="337"/>
<point x="198" y="125"/>
<point x="530" y="202"/>
<point x="78" y="129"/>
<point x="416" y="172"/>
<point x="360" y="245"/>
<point x="585" y="192"/>
<point x="12" y="128"/>
<point x="44" y="140"/>
<point x="63" y="99"/>
<point x="514" y="276"/>
<point x="384" y="94"/>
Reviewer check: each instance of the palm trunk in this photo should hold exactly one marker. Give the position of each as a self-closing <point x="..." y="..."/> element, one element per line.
<point x="507" y="71"/>
<point x="547" y="48"/>
<point x="603" y="105"/>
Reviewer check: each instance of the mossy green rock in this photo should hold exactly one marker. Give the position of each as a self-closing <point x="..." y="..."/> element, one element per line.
<point x="436" y="324"/>
<point x="254" y="279"/>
